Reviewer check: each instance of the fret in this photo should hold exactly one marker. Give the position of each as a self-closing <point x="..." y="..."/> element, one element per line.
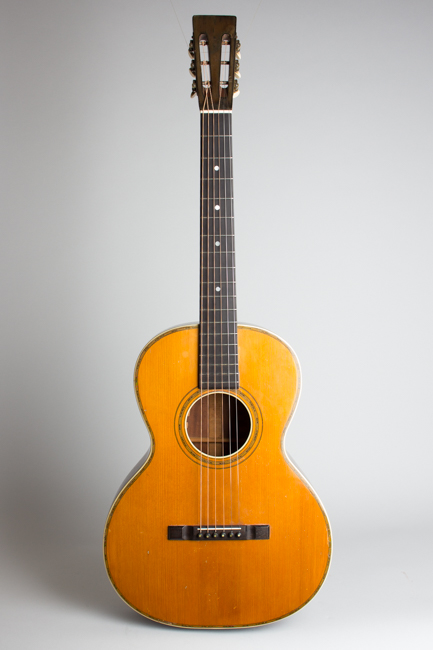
<point x="220" y="368"/>
<point x="215" y="378"/>
<point x="209" y="312"/>
<point x="208" y="351"/>
<point x="213" y="314"/>
<point x="216" y="259"/>
<point x="214" y="302"/>
<point x="209" y="206"/>
<point x="210" y="284"/>
<point x="223" y="246"/>
<point x="225" y="169"/>
<point x="214" y="159"/>
<point x="229" y="339"/>
<point x="213" y="375"/>
<point x="219" y="353"/>
<point x="212" y="228"/>
<point x="216" y="123"/>
<point x="216" y="146"/>
<point x="220" y="362"/>
<point x="220" y="343"/>
<point x="216" y="188"/>
<point x="209" y="355"/>
<point x="208" y="213"/>
<point x="218" y="327"/>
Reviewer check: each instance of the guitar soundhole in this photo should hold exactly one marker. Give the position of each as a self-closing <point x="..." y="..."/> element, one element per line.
<point x="218" y="424"/>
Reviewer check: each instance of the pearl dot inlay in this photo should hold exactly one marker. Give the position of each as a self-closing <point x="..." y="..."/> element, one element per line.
<point x="218" y="289"/>
<point x="216" y="168"/>
<point x="217" y="207"/>
<point x="217" y="243"/>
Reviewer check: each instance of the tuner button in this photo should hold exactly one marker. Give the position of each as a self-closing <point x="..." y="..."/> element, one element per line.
<point x="237" y="73"/>
<point x="191" y="51"/>
<point x="192" y="69"/>
<point x="236" y="90"/>
<point x="238" y="50"/>
<point x="194" y="89"/>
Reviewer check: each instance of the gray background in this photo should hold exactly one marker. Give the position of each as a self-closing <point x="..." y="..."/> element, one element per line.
<point x="99" y="211"/>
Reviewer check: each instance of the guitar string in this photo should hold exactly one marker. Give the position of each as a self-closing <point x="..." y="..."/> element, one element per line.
<point x="209" y="94"/>
<point x="225" y="117"/>
<point x="235" y="337"/>
<point x="201" y="316"/>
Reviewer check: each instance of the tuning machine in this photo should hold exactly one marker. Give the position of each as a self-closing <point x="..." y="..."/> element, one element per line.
<point x="236" y="90"/>
<point x="192" y="68"/>
<point x="191" y="50"/>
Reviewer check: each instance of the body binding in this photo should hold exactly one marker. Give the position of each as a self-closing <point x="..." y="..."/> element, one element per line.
<point x="216" y="583"/>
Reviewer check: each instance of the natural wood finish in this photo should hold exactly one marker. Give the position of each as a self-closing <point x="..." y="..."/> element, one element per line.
<point x="216" y="584"/>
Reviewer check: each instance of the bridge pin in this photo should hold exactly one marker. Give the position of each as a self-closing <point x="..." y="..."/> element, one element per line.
<point x="232" y="534"/>
<point x="239" y="534"/>
<point x="223" y="534"/>
<point x="207" y="535"/>
<point x="215" y="534"/>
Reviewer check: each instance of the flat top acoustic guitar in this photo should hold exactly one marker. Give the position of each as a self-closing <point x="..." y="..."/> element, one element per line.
<point x="215" y="527"/>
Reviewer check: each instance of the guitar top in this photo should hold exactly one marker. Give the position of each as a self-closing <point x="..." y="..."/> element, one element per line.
<point x="215" y="527"/>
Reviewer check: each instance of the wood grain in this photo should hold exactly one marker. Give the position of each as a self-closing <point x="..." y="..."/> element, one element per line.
<point x="216" y="584"/>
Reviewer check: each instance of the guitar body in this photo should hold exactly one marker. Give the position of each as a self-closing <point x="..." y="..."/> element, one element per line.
<point x="216" y="582"/>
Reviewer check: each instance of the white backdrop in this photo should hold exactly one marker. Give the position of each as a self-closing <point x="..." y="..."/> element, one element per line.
<point x="100" y="239"/>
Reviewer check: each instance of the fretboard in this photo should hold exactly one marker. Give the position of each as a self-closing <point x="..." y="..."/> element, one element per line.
<point x="218" y="361"/>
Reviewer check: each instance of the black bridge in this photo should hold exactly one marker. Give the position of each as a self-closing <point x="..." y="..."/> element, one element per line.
<point x="218" y="533"/>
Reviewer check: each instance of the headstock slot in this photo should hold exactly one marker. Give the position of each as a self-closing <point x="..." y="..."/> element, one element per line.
<point x="214" y="37"/>
<point x="204" y="60"/>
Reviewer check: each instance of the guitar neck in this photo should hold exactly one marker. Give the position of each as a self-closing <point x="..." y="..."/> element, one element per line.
<point x="218" y="366"/>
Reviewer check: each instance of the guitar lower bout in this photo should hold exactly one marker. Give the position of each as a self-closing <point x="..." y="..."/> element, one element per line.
<point x="214" y="531"/>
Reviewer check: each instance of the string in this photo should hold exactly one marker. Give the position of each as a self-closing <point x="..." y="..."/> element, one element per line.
<point x="235" y="337"/>
<point x="178" y="22"/>
<point x="208" y="301"/>
<point x="254" y="17"/>
<point x="220" y="116"/>
<point x="224" y="116"/>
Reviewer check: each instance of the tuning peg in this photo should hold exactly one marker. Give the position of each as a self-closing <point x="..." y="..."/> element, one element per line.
<point x="238" y="50"/>
<point x="237" y="73"/>
<point x="194" y="89"/>
<point x="236" y="90"/>
<point x="191" y="50"/>
<point x="192" y="69"/>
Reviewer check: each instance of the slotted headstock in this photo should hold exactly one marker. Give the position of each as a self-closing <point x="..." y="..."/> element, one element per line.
<point x="215" y="54"/>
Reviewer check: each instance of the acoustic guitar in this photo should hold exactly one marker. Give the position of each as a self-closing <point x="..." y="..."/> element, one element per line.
<point x="215" y="527"/>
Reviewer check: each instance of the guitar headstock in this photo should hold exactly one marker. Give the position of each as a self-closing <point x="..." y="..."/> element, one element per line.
<point x="215" y="53"/>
